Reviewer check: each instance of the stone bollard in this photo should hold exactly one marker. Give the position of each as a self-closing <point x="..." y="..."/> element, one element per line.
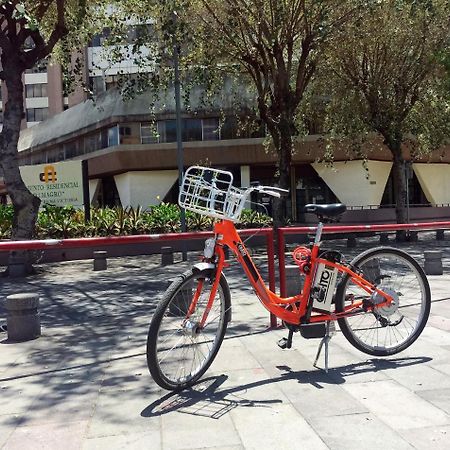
<point x="440" y="235"/>
<point x="433" y="262"/>
<point x="413" y="236"/>
<point x="166" y="256"/>
<point x="23" y="322"/>
<point x="384" y="238"/>
<point x="100" y="262"/>
<point x="294" y="280"/>
<point x="351" y="242"/>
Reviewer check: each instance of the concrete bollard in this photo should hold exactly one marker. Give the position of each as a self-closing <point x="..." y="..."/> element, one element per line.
<point x="294" y="280"/>
<point x="351" y="242"/>
<point x="100" y="262"/>
<point x="413" y="236"/>
<point x="166" y="256"/>
<point x="433" y="262"/>
<point x="384" y="238"/>
<point x="440" y="235"/>
<point x="23" y="322"/>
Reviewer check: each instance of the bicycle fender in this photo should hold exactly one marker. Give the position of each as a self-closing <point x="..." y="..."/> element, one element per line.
<point x="200" y="267"/>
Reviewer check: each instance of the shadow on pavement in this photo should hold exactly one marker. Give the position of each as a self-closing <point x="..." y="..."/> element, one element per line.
<point x="206" y="399"/>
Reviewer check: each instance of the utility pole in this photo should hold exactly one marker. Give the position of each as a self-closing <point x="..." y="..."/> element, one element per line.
<point x="180" y="162"/>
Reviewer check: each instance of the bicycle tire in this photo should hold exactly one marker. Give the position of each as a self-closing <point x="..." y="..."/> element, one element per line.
<point x="389" y="330"/>
<point x="170" y="372"/>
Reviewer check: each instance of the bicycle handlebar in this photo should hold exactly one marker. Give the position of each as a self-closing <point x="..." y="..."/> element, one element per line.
<point x="270" y="190"/>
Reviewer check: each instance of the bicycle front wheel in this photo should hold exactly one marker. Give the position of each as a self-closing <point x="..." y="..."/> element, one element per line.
<point x="179" y="348"/>
<point x="388" y="329"/>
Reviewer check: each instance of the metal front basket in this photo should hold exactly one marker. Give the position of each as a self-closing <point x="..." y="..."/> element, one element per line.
<point x="210" y="192"/>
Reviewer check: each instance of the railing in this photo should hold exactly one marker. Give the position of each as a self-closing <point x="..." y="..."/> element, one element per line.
<point x="47" y="244"/>
<point x="267" y="232"/>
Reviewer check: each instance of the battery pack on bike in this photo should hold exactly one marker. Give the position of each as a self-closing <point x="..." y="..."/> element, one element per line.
<point x="323" y="287"/>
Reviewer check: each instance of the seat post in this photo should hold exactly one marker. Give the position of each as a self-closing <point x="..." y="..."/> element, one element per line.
<point x="318" y="233"/>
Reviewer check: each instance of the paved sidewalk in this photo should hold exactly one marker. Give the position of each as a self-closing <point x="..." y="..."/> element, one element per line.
<point x="84" y="383"/>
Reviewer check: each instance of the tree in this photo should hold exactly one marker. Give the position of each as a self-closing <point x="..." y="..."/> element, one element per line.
<point x="385" y="76"/>
<point x="271" y="48"/>
<point x="29" y="33"/>
<point x="276" y="46"/>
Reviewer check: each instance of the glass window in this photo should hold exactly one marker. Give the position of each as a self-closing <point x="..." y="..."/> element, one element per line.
<point x="40" y="67"/>
<point x="92" y="142"/>
<point x="97" y="85"/>
<point x="149" y="133"/>
<point x="72" y="149"/>
<point x="167" y="131"/>
<point x="192" y="130"/>
<point x="113" y="136"/>
<point x="36" y="114"/>
<point x="211" y="131"/>
<point x="36" y="90"/>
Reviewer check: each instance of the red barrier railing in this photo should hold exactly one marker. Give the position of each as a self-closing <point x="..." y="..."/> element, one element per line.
<point x="144" y="238"/>
<point x="333" y="229"/>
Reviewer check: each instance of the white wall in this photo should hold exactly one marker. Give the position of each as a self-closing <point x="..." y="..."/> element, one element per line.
<point x="435" y="182"/>
<point x="352" y="184"/>
<point x="144" y="188"/>
<point x="93" y="189"/>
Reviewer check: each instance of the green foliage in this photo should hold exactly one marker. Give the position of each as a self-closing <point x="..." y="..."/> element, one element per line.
<point x="59" y="222"/>
<point x="254" y="219"/>
<point x="67" y="222"/>
<point x="6" y="218"/>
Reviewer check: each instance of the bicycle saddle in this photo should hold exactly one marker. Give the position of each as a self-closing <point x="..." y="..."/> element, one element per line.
<point x="331" y="210"/>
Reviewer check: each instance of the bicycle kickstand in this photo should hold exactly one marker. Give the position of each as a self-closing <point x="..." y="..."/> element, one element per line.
<point x="325" y="340"/>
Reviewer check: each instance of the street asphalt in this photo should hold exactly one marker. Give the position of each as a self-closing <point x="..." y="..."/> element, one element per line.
<point x="84" y="383"/>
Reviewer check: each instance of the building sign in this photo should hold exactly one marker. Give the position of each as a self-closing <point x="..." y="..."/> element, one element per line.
<point x="59" y="184"/>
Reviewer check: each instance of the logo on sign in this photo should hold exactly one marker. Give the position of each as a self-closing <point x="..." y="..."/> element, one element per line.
<point x="324" y="282"/>
<point x="48" y="175"/>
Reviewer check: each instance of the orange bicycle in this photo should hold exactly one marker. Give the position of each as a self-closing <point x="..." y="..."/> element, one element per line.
<point x="381" y="299"/>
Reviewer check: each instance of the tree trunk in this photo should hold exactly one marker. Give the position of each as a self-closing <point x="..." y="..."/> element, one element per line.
<point x="399" y="183"/>
<point x="26" y="205"/>
<point x="284" y="167"/>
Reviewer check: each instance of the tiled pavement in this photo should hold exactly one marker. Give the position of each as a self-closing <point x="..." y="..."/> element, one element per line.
<point x="84" y="383"/>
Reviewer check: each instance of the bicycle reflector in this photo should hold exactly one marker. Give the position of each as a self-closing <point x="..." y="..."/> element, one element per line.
<point x="302" y="257"/>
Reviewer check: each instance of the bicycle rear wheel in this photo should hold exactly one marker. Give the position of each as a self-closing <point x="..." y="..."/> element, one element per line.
<point x="390" y="329"/>
<point x="179" y="349"/>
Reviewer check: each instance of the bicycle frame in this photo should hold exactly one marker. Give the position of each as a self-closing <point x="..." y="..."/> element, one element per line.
<point x="226" y="234"/>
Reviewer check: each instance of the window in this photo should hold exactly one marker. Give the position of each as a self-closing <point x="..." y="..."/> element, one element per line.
<point x="40" y="67"/>
<point x="36" y="114"/>
<point x="167" y="131"/>
<point x="192" y="130"/>
<point x="97" y="85"/>
<point x="99" y="39"/>
<point x="113" y="136"/>
<point x="92" y="142"/>
<point x="211" y="131"/>
<point x="149" y="133"/>
<point x="72" y="149"/>
<point x="36" y="90"/>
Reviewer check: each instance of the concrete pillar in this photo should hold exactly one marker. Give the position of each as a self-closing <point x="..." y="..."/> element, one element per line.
<point x="348" y="180"/>
<point x="23" y="320"/>
<point x="144" y="188"/>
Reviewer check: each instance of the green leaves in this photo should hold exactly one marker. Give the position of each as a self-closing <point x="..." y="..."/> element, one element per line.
<point x="67" y="222"/>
